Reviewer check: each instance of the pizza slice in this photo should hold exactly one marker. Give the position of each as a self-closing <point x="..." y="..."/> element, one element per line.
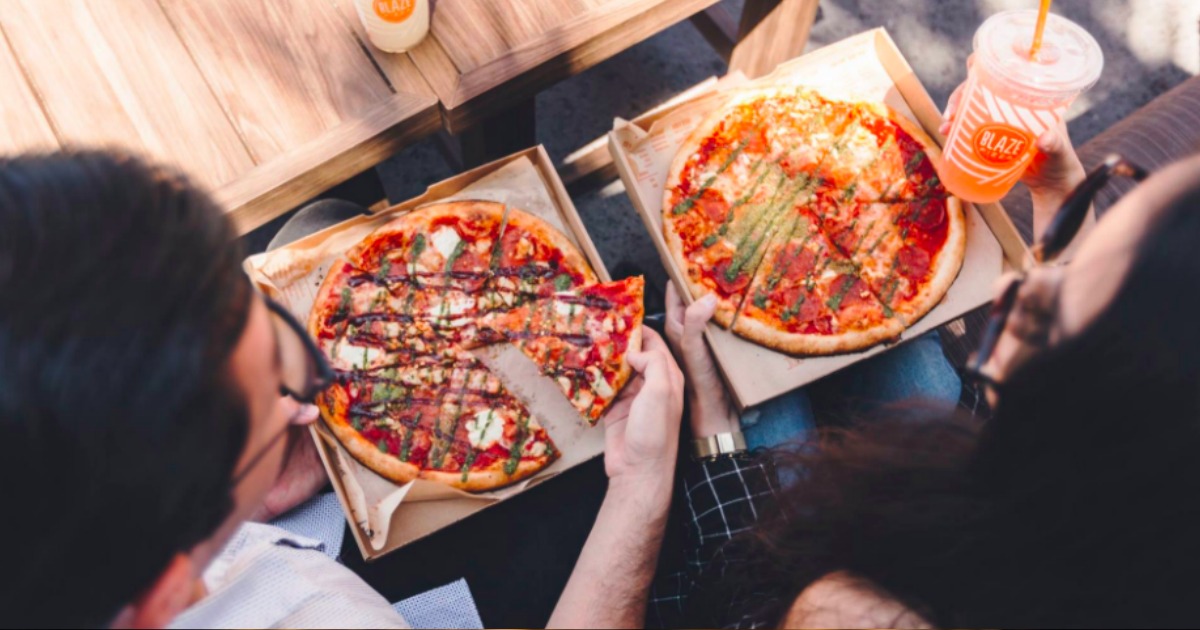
<point x="445" y="419"/>
<point x="908" y="253"/>
<point x="732" y="195"/>
<point x="881" y="156"/>
<point x="531" y="260"/>
<point x="580" y="338"/>
<point x="807" y="298"/>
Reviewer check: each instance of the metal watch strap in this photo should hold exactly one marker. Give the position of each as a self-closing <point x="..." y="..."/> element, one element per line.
<point x="719" y="445"/>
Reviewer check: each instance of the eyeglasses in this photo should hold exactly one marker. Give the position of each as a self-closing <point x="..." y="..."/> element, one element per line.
<point x="305" y="372"/>
<point x="1058" y="235"/>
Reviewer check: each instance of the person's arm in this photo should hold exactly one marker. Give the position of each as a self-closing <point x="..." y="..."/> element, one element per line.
<point x="611" y="580"/>
<point x="725" y="496"/>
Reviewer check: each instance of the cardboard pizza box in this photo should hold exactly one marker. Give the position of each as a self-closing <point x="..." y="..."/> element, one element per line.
<point x="385" y="516"/>
<point x="869" y="67"/>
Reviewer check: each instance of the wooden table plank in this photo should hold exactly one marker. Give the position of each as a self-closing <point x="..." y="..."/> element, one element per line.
<point x="116" y="73"/>
<point x="23" y="125"/>
<point x="719" y="28"/>
<point x="400" y="71"/>
<point x="285" y="71"/>
<point x="482" y="58"/>
<point x="771" y="31"/>
<point x="329" y="159"/>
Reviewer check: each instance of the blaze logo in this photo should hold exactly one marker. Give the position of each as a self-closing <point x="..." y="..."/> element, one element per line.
<point x="395" y="10"/>
<point x="1000" y="144"/>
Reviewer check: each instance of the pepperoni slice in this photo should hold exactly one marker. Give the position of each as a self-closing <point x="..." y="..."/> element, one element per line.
<point x="927" y="214"/>
<point x="471" y="228"/>
<point x="912" y="262"/>
<point x="713" y="205"/>
<point x="796" y="262"/>
<point x="469" y="270"/>
<point x="856" y="294"/>
<point x="727" y="286"/>
<point x="844" y="239"/>
<point x="418" y="451"/>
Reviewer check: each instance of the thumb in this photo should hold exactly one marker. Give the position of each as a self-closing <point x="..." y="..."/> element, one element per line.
<point x="1051" y="143"/>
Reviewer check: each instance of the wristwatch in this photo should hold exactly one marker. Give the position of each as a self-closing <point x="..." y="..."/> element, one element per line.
<point x="720" y="445"/>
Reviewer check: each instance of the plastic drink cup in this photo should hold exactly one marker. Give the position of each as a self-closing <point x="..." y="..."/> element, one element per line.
<point x="1010" y="99"/>
<point x="394" y="26"/>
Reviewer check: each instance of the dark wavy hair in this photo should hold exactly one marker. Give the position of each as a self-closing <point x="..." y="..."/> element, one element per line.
<point x="121" y="298"/>
<point x="1077" y="504"/>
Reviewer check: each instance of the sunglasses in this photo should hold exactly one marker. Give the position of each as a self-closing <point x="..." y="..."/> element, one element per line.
<point x="305" y="371"/>
<point x="1058" y="235"/>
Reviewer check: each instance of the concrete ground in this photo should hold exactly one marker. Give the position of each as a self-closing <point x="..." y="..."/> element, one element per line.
<point x="1149" y="46"/>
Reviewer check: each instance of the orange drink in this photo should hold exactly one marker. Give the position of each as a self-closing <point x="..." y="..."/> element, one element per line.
<point x="1010" y="99"/>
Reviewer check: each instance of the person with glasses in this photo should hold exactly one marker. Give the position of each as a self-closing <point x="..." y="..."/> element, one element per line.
<point x="1074" y="504"/>
<point x="149" y="399"/>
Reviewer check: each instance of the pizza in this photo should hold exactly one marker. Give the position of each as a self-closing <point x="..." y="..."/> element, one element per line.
<point x="580" y="339"/>
<point x="398" y="314"/>
<point x="820" y="225"/>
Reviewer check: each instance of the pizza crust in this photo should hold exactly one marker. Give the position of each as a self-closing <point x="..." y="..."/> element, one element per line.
<point x="487" y="479"/>
<point x="806" y="344"/>
<point x="360" y="448"/>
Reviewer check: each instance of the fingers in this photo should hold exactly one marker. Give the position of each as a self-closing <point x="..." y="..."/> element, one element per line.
<point x="654" y="362"/>
<point x="674" y="321"/>
<point x="951" y="110"/>
<point x="695" y="320"/>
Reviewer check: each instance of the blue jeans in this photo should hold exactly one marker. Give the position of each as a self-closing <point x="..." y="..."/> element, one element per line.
<point x="917" y="370"/>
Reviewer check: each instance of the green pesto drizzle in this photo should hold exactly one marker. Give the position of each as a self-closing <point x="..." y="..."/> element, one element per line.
<point x="563" y="282"/>
<point x="741" y="201"/>
<point x="466" y="467"/>
<point x="514" y="454"/>
<point x="835" y="302"/>
<point x="686" y="204"/>
<point x="458" y="250"/>
<point x="406" y="443"/>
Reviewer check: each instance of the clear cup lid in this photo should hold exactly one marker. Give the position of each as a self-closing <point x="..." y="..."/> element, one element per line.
<point x="1070" y="59"/>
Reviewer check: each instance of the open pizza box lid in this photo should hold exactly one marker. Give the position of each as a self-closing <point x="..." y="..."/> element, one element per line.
<point x="385" y="516"/>
<point x="865" y="67"/>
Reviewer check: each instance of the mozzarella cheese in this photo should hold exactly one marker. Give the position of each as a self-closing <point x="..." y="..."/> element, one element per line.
<point x="347" y="356"/>
<point x="565" y="309"/>
<point x="599" y="383"/>
<point x="445" y="239"/>
<point x="485" y="429"/>
<point x="452" y="308"/>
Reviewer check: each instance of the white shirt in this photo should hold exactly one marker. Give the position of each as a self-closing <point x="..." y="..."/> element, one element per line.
<point x="267" y="577"/>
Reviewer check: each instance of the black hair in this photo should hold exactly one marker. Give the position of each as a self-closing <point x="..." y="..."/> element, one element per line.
<point x="121" y="299"/>
<point x="1075" y="505"/>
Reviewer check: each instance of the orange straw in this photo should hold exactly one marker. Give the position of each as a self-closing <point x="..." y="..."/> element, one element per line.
<point x="1041" y="28"/>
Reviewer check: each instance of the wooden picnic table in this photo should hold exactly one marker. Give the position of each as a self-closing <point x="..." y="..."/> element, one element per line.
<point x="269" y="103"/>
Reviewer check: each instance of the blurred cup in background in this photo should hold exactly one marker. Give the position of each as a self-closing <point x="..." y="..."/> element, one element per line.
<point x="394" y="26"/>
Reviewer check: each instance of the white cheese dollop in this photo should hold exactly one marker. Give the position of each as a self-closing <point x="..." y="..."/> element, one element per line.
<point x="445" y="239"/>
<point x="485" y="429"/>
<point x="347" y="356"/>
